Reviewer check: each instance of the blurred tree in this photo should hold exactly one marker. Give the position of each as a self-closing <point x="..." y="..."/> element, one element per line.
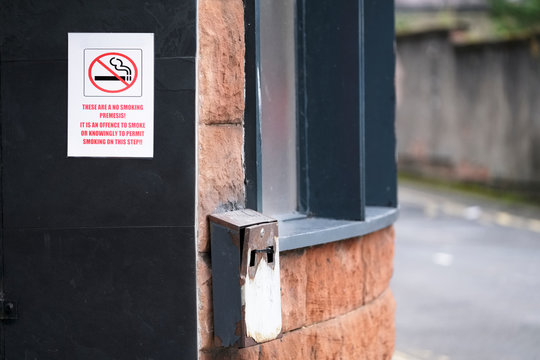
<point x="516" y="14"/>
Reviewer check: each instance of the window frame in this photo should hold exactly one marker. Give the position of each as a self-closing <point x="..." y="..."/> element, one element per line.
<point x="367" y="201"/>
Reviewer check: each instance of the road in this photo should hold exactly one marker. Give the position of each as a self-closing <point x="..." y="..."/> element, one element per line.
<point x="467" y="278"/>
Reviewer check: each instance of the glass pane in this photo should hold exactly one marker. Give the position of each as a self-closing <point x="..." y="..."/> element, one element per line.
<point x="278" y="105"/>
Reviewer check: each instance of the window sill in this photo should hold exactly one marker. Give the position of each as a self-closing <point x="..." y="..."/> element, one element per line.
<point x="304" y="232"/>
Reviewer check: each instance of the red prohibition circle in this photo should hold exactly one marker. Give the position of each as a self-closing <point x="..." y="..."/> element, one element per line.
<point x="116" y="54"/>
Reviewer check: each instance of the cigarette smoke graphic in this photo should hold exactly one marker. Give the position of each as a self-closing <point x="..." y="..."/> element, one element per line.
<point x="119" y="66"/>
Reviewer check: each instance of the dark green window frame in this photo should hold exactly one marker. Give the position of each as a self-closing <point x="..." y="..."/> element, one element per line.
<point x="347" y="182"/>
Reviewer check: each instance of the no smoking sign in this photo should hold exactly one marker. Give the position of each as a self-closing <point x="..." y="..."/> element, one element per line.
<point x="113" y="72"/>
<point x="110" y="95"/>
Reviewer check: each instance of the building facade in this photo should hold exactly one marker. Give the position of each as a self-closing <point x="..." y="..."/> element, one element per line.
<point x="110" y="257"/>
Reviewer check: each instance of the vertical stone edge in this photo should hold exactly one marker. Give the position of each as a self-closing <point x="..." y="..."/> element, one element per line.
<point x="220" y="136"/>
<point x="378" y="260"/>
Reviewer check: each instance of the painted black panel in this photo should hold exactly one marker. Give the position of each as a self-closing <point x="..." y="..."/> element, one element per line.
<point x="252" y="131"/>
<point x="381" y="180"/>
<point x="43" y="188"/>
<point x="37" y="30"/>
<point x="226" y="259"/>
<point x="105" y="294"/>
<point x="329" y="109"/>
<point x="99" y="253"/>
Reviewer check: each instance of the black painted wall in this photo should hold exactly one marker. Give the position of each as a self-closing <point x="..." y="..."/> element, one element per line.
<point x="99" y="253"/>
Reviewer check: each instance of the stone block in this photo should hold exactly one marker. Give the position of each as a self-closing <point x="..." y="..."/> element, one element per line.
<point x="221" y="61"/>
<point x="366" y="333"/>
<point x="251" y="353"/>
<point x="378" y="258"/>
<point x="335" y="279"/>
<point x="293" y="289"/>
<point x="221" y="174"/>
<point x="205" y="308"/>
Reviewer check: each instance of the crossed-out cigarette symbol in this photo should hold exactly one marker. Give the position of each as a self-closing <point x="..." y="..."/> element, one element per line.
<point x="119" y="66"/>
<point x="115" y="73"/>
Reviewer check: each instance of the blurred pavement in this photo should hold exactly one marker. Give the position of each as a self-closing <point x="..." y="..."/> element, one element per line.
<point x="467" y="277"/>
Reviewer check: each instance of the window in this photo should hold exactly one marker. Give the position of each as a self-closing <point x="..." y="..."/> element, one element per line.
<point x="278" y="107"/>
<point x="328" y="149"/>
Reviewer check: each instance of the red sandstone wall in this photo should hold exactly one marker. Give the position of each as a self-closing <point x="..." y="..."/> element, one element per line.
<point x="336" y="301"/>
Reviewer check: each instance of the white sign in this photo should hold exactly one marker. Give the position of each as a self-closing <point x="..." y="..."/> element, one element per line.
<point x="110" y="95"/>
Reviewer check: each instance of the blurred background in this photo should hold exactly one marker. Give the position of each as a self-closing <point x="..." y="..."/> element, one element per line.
<point x="467" y="262"/>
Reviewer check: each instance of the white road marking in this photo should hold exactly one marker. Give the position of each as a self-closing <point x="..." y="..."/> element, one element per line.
<point x="422" y="355"/>
<point x="402" y="356"/>
<point x="534" y="225"/>
<point x="472" y="213"/>
<point x="443" y="259"/>
<point x="505" y="219"/>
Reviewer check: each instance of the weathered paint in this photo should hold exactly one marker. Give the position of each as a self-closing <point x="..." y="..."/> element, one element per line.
<point x="262" y="301"/>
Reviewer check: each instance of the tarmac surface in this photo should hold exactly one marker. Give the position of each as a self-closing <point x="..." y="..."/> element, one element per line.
<point x="466" y="277"/>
